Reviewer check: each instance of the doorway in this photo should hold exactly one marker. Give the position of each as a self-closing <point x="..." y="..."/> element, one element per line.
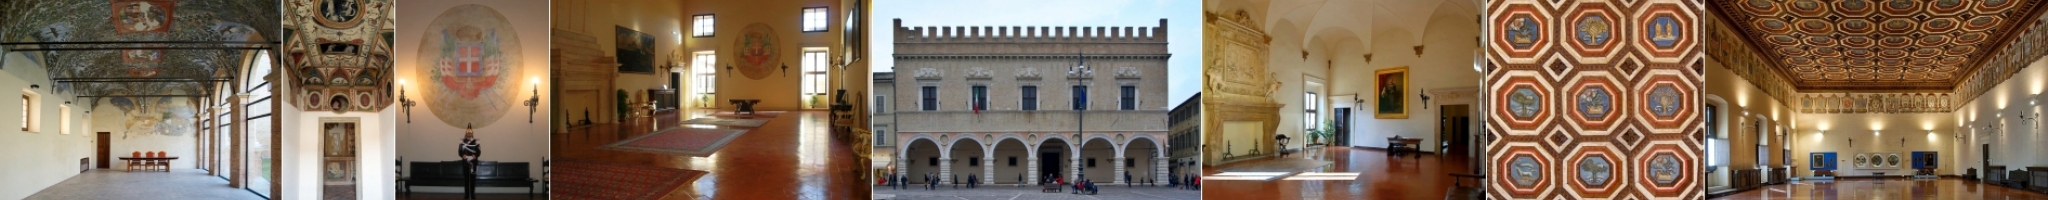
<point x="1343" y="120"/>
<point x="1987" y="163"/>
<point x="102" y="151"/>
<point x="1454" y="132"/>
<point x="1049" y="163"/>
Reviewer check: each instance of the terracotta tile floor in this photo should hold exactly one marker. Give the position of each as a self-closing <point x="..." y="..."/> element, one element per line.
<point x="1380" y="177"/>
<point x="1898" y="188"/>
<point x="793" y="156"/>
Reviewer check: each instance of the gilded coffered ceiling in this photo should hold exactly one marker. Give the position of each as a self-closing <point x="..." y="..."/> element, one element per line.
<point x="339" y="54"/>
<point x="138" y="47"/>
<point x="1878" y="44"/>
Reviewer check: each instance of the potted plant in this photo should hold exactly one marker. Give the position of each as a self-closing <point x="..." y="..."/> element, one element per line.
<point x="1317" y="136"/>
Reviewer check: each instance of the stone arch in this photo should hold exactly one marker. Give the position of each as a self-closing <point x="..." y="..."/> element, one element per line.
<point x="1113" y="143"/>
<point x="1028" y="145"/>
<point x="956" y="141"/>
<point x="1156" y="143"/>
<point x="900" y="152"/>
<point x="1071" y="144"/>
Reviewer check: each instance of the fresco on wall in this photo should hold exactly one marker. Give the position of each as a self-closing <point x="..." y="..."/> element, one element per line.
<point x="759" y="52"/>
<point x="474" y="75"/>
<point x="636" y="51"/>
<point x="143" y="116"/>
<point x="1600" y="96"/>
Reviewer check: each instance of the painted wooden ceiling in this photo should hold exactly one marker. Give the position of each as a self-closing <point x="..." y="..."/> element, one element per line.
<point x="138" y="47"/>
<point x="338" y="53"/>
<point x="1878" y="44"/>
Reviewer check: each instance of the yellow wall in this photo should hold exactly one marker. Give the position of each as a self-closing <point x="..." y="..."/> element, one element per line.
<point x="668" y="22"/>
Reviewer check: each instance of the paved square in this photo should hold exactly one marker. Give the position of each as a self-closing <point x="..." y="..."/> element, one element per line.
<point x="1031" y="192"/>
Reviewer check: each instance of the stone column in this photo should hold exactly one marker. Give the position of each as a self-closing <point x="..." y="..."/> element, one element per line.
<point x="236" y="139"/>
<point x="1119" y="174"/>
<point x="1075" y="171"/>
<point x="946" y="170"/>
<point x="988" y="170"/>
<point x="214" y="147"/>
<point x="1159" y="168"/>
<point x="1031" y="171"/>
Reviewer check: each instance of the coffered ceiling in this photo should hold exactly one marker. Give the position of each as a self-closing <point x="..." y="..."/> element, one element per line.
<point x="1861" y="45"/>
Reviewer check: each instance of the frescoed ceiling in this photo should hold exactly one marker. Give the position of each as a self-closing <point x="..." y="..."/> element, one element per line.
<point x="115" y="48"/>
<point x="339" y="54"/>
<point x="1878" y="44"/>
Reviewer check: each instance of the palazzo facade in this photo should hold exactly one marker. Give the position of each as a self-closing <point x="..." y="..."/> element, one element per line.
<point x="1015" y="104"/>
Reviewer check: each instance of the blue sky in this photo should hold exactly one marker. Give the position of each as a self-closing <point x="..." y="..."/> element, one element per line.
<point x="1183" y="22"/>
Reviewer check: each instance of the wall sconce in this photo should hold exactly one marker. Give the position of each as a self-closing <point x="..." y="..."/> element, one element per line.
<point x="533" y="103"/>
<point x="1423" y="92"/>
<point x="728" y="70"/>
<point x="1360" y="103"/>
<point x="785" y="69"/>
<point x="33" y="86"/>
<point x="404" y="101"/>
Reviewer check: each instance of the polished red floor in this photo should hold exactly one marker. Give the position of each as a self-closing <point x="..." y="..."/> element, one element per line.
<point x="1899" y="188"/>
<point x="793" y="156"/>
<point x="1381" y="177"/>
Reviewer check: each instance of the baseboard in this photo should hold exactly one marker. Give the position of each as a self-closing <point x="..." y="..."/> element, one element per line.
<point x="1384" y="149"/>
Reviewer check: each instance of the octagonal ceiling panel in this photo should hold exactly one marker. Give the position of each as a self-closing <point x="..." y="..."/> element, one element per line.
<point x="1877" y="44"/>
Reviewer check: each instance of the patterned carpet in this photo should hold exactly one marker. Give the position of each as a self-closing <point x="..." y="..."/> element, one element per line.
<point x="579" y="179"/>
<point x="727" y="122"/>
<point x="750" y="115"/>
<point x="684" y="141"/>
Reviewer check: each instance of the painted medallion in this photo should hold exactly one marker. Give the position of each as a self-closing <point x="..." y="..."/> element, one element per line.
<point x="758" y="51"/>
<point x="1664" y="101"/>
<point x="1664" y="169"/>
<point x="1594" y="102"/>
<point x="1594" y="31"/>
<point x="1526" y="171"/>
<point x="474" y="69"/>
<point x="1595" y="170"/>
<point x="1523" y="102"/>
<point x="143" y="16"/>
<point x="1663" y="31"/>
<point x="1891" y="160"/>
<point x="1523" y="32"/>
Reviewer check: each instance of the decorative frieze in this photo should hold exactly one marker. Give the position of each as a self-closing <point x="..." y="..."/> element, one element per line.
<point x="1875" y="102"/>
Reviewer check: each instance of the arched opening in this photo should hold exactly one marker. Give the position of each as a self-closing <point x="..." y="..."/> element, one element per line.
<point x="1053" y="155"/>
<point x="966" y="163"/>
<point x="1012" y="162"/>
<point x="1098" y="161"/>
<point x="1141" y="160"/>
<point x="921" y="158"/>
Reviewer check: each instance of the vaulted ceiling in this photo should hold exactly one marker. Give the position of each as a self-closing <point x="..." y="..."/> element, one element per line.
<point x="1325" y="25"/>
<point x="114" y="48"/>
<point x="339" y="54"/>
<point x="1867" y="45"/>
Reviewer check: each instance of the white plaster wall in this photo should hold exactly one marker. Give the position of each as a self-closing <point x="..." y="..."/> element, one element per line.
<point x="1446" y="62"/>
<point x="37" y="160"/>
<point x="509" y="139"/>
<point x="300" y="166"/>
<point x="2018" y="145"/>
<point x="1874" y="133"/>
<point x="124" y="143"/>
<point x="1744" y="102"/>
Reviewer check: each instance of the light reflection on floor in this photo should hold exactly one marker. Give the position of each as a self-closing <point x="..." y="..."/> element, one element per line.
<point x="1894" y="188"/>
<point x="793" y="156"/>
<point x="1355" y="174"/>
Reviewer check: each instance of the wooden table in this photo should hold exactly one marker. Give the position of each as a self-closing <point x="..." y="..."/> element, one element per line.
<point x="1398" y="146"/>
<point x="745" y="105"/>
<point x="133" y="161"/>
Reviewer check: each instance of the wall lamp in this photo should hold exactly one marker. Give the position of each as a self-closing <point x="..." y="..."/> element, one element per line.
<point x="533" y="103"/>
<point x="404" y="101"/>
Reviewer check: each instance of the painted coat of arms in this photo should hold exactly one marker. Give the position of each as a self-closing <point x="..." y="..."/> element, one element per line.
<point x="474" y="59"/>
<point x="758" y="51"/>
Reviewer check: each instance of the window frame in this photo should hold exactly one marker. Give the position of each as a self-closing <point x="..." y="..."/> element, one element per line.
<point x="928" y="98"/>
<point x="978" y="95"/>
<point x="1127" y="97"/>
<point x="1080" y="97"/>
<point x="822" y="18"/>
<point x="699" y="28"/>
<point x="704" y="78"/>
<point x="1312" y="109"/>
<point x="1027" y="97"/>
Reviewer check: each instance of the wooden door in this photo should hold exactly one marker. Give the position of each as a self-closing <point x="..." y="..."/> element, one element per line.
<point x="103" y="154"/>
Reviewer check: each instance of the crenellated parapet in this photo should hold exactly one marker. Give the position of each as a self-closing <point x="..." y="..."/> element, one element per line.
<point x="1028" y="34"/>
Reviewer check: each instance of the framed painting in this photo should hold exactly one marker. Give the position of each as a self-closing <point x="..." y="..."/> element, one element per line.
<point x="339" y="162"/>
<point x="1862" y="160"/>
<point x="1391" y="89"/>
<point x="140" y="16"/>
<point x="636" y="51"/>
<point x="1822" y="161"/>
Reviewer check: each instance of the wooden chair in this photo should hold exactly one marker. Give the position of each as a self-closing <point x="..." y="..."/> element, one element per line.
<point x="131" y="163"/>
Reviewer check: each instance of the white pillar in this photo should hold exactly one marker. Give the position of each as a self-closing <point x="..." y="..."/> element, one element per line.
<point x="946" y="170"/>
<point x="1119" y="174"/>
<point x="988" y="170"/>
<point x="1031" y="171"/>
<point x="1159" y="167"/>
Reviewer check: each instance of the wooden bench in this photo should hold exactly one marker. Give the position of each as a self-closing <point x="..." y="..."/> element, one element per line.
<point x="488" y="174"/>
<point x="1051" y="188"/>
